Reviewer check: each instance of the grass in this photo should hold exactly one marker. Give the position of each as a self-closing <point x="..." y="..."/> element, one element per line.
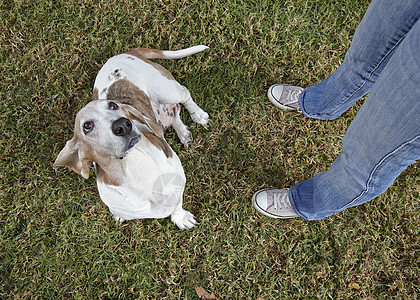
<point x="58" y="241"/>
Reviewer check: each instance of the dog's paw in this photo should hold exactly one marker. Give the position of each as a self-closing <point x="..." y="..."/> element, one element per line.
<point x="200" y="117"/>
<point x="185" y="137"/>
<point x="119" y="220"/>
<point x="183" y="219"/>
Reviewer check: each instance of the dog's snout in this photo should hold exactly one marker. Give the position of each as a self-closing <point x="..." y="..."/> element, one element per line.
<point x="122" y="127"/>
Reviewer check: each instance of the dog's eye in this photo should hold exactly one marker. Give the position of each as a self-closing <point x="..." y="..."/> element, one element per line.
<point x="87" y="127"/>
<point x="113" y="105"/>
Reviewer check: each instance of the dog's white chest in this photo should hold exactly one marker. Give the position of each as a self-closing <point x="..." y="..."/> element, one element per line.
<point x="153" y="186"/>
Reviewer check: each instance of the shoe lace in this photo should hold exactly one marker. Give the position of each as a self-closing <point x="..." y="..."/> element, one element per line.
<point x="293" y="96"/>
<point x="280" y="201"/>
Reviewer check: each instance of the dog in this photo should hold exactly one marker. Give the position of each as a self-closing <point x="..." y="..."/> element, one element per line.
<point x="121" y="132"/>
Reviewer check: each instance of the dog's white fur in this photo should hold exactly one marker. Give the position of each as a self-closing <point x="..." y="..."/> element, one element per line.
<point x="138" y="174"/>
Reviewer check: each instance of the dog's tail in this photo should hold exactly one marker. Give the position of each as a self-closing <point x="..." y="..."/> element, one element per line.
<point x="166" y="54"/>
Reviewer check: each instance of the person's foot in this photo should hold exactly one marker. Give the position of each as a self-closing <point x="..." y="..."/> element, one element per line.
<point x="274" y="203"/>
<point x="285" y="96"/>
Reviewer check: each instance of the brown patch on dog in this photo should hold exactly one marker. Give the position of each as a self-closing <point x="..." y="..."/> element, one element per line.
<point x="143" y="53"/>
<point x="155" y="135"/>
<point x="159" y="143"/>
<point x="95" y="95"/>
<point x="127" y="93"/>
<point x="146" y="54"/>
<point x="154" y="126"/>
<point x="110" y="172"/>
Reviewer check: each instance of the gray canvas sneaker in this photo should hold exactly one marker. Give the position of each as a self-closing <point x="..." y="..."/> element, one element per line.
<point x="285" y="96"/>
<point x="274" y="203"/>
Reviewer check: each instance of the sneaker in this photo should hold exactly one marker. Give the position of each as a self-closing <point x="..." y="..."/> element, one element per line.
<point x="274" y="203"/>
<point x="285" y="96"/>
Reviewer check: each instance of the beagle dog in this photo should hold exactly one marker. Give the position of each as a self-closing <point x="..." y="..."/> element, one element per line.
<point x="121" y="131"/>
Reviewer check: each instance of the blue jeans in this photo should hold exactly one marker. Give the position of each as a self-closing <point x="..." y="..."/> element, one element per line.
<point x="384" y="138"/>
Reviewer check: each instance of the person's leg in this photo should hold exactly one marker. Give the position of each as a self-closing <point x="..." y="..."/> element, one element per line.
<point x="381" y="142"/>
<point x="381" y="30"/>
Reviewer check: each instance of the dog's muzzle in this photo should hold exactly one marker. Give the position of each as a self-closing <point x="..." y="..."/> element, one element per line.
<point x="122" y="127"/>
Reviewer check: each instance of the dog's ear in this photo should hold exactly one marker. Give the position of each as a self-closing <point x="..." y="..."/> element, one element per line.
<point x="73" y="157"/>
<point x="134" y="115"/>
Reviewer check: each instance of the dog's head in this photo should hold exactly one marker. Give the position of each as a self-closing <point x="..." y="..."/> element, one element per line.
<point x="104" y="130"/>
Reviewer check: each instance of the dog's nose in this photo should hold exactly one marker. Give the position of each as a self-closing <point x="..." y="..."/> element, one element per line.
<point x="122" y="127"/>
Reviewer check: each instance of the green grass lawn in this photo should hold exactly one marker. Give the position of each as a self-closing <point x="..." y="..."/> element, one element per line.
<point x="57" y="239"/>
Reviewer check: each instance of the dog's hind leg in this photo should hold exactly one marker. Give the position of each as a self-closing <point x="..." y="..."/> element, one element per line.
<point x="173" y="93"/>
<point x="198" y="115"/>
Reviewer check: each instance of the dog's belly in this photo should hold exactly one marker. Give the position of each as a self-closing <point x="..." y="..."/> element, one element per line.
<point x="165" y="113"/>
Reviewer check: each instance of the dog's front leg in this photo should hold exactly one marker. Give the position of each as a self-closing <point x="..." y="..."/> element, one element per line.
<point x="183" y="218"/>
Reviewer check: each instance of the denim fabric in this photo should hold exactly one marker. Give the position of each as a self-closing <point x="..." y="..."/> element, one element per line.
<point x="384" y="138"/>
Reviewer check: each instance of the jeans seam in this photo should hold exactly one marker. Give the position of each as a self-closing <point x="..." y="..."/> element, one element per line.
<point x="365" y="79"/>
<point x="376" y="169"/>
<point x="414" y="21"/>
